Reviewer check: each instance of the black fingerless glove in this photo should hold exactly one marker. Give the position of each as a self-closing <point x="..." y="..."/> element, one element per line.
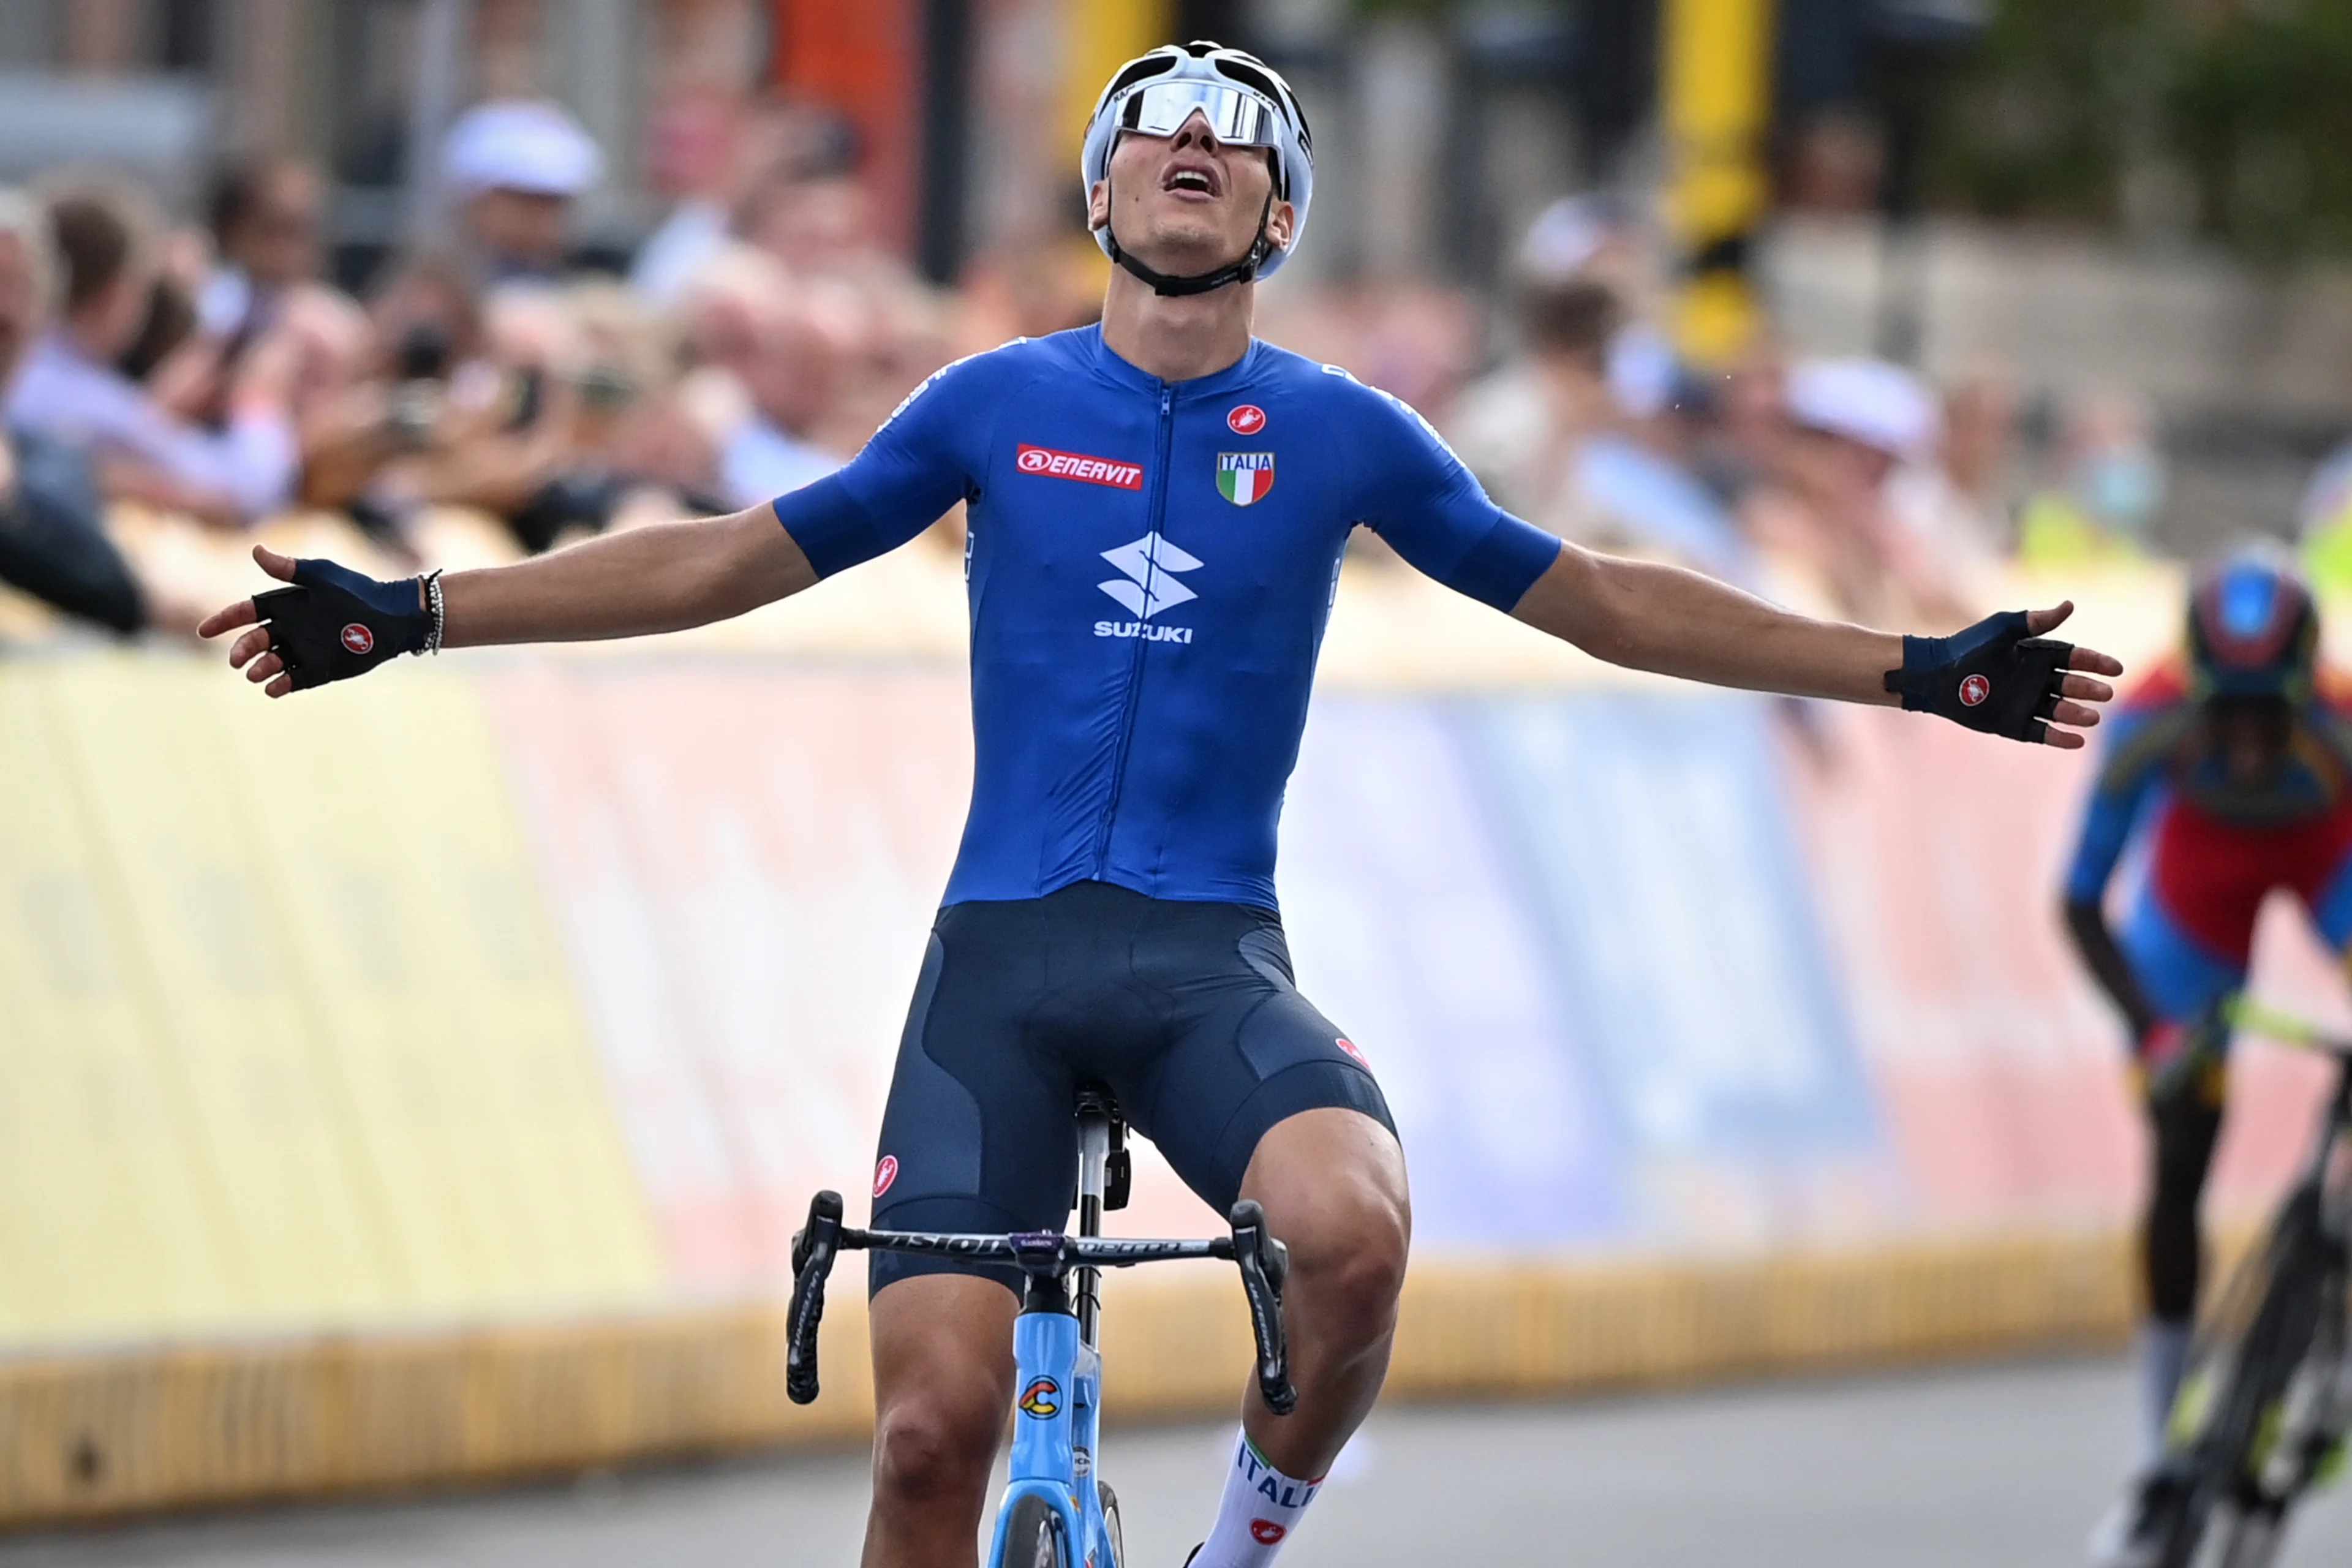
<point x="334" y="624"/>
<point x="1991" y="677"/>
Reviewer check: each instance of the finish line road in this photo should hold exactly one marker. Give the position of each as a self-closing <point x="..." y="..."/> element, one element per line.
<point x="1975" y="1468"/>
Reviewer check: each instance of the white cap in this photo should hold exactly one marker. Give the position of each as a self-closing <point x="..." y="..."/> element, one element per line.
<point x="520" y="145"/>
<point x="1865" y="400"/>
<point x="1566" y="236"/>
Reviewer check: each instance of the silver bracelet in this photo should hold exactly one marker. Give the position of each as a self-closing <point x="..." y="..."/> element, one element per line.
<point x="432" y="605"/>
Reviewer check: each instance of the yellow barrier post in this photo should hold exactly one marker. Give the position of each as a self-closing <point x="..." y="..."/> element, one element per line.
<point x="1715" y="59"/>
<point x="1098" y="37"/>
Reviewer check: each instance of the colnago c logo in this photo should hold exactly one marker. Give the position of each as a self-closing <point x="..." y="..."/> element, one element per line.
<point x="1149" y="587"/>
<point x="1042" y="1399"/>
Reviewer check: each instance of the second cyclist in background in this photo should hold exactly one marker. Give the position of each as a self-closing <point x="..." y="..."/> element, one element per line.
<point x="2232" y="767"/>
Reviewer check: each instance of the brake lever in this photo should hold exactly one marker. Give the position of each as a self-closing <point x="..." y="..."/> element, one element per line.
<point x="1265" y="1263"/>
<point x="814" y="1250"/>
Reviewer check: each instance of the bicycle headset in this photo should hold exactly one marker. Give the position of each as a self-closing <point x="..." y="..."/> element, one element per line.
<point x="2254" y="630"/>
<point x="1247" y="104"/>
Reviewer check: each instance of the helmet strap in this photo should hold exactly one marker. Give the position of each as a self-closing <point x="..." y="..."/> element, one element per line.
<point x="1169" y="286"/>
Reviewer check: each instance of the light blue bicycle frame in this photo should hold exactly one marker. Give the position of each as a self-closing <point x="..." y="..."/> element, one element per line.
<point x="1057" y="1389"/>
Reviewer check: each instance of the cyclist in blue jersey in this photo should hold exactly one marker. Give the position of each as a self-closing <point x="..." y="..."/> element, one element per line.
<point x="1158" y="508"/>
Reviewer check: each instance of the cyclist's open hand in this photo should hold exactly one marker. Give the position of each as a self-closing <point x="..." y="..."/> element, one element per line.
<point x="331" y="625"/>
<point x="2004" y="677"/>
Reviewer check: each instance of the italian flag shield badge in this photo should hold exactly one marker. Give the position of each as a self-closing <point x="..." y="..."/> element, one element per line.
<point x="1244" y="477"/>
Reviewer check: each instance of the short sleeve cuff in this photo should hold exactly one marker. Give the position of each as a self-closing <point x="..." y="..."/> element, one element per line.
<point x="1502" y="567"/>
<point x="829" y="525"/>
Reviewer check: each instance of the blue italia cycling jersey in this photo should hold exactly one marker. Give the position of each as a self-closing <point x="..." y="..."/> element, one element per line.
<point x="1151" y="566"/>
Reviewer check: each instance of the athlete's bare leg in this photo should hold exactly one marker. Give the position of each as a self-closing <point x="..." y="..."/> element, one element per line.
<point x="1333" y="1186"/>
<point x="942" y="1394"/>
<point x="1332" y="1183"/>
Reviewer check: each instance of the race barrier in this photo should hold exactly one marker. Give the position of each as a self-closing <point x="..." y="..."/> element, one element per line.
<point x="420" y="1083"/>
<point x="96" y="1434"/>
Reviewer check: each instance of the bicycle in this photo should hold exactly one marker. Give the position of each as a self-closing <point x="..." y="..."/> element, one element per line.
<point x="2264" y="1407"/>
<point x="1056" y="1513"/>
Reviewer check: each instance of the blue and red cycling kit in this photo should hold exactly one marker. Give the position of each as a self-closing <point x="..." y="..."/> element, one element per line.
<point x="1149" y="567"/>
<point x="2217" y="844"/>
<point x="2215" y="849"/>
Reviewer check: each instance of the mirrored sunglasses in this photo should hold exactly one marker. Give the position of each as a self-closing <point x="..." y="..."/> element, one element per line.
<point x="1234" y="116"/>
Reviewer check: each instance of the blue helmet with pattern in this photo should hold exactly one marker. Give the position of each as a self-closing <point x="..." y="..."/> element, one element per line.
<point x="2254" y="629"/>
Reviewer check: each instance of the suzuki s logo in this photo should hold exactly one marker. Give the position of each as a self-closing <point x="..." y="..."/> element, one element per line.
<point x="1042" y="1399"/>
<point x="1149" y="587"/>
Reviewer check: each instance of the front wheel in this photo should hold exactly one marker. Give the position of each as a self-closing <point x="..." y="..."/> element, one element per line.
<point x="2247" y="1462"/>
<point x="1110" y="1525"/>
<point x="1034" y="1536"/>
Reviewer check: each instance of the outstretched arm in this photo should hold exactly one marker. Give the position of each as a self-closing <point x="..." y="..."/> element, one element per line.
<point x="664" y="578"/>
<point x="660" y="578"/>
<point x="1671" y="621"/>
<point x="2127" y="783"/>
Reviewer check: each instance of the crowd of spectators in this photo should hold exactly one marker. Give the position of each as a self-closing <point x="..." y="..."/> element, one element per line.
<point x="166" y="390"/>
<point x="1851" y="486"/>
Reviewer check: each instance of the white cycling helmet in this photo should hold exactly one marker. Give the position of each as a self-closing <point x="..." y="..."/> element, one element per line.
<point x="1247" y="104"/>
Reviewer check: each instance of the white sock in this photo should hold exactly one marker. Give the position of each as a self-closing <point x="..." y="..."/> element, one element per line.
<point x="2163" y="1358"/>
<point x="1261" y="1507"/>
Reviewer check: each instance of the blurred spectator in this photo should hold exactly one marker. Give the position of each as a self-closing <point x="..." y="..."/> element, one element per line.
<point x="2109" y="486"/>
<point x="1031" y="292"/>
<point x="71" y="390"/>
<point x="1954" y="503"/>
<point x="820" y="227"/>
<point x="1826" y="514"/>
<point x="167" y="325"/>
<point x="1518" y="429"/>
<point x="518" y="167"/>
<point x="1727" y="426"/>
<point x="423" y="330"/>
<point x="265" y="215"/>
<point x="551" y="410"/>
<point x="52" y="543"/>
<point x="751" y="323"/>
<point x="730" y="171"/>
<point x="1600" y="237"/>
<point x="1554" y="444"/>
<point x="697" y="143"/>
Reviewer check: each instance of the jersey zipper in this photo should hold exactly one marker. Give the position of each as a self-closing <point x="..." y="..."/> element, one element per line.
<point x="1156" y="516"/>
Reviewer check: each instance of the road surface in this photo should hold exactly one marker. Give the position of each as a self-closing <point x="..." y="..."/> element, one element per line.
<point x="1999" y="1468"/>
